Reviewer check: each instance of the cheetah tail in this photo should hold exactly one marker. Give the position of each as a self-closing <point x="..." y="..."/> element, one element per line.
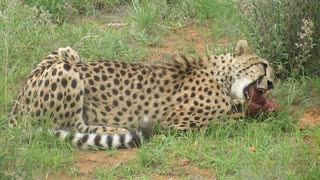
<point x="114" y="141"/>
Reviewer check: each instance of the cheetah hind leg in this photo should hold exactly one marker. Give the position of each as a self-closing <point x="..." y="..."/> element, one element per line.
<point x="110" y="141"/>
<point x="82" y="127"/>
<point x="103" y="130"/>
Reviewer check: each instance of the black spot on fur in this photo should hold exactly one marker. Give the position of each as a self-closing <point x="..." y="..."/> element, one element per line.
<point x="107" y="108"/>
<point x="91" y="82"/>
<point x="46" y="97"/>
<point x="78" y="96"/>
<point x="96" y="78"/>
<point x="58" y="108"/>
<point x="104" y="77"/>
<point x="115" y="103"/>
<point x="53" y="86"/>
<point x="110" y="70"/>
<point x="68" y="98"/>
<point x="64" y="83"/>
<point x="74" y="84"/>
<point x="114" y="92"/>
<point x="122" y="72"/>
<point x="102" y="87"/>
<point x="116" y="81"/>
<point x="67" y="67"/>
<point x="51" y="104"/>
<point x="46" y="83"/>
<point x="127" y="92"/>
<point x="54" y="72"/>
<point x="96" y="69"/>
<point x="139" y="86"/>
<point x="128" y="103"/>
<point x="116" y="119"/>
<point x="93" y="89"/>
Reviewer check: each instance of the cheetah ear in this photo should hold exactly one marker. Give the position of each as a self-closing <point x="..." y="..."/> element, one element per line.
<point x="243" y="48"/>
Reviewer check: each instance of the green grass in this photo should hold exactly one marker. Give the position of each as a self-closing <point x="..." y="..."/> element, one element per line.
<point x="226" y="18"/>
<point x="224" y="151"/>
<point x="26" y="153"/>
<point x="282" y="150"/>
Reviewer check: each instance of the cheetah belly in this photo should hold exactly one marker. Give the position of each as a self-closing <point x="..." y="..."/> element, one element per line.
<point x="120" y="111"/>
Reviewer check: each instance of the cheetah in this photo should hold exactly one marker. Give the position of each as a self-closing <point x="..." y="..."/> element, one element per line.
<point x="109" y="105"/>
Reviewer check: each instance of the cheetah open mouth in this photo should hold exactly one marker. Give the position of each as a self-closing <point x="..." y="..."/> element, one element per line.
<point x="256" y="101"/>
<point x="251" y="90"/>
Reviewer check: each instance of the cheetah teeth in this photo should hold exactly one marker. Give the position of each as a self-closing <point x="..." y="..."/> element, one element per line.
<point x="247" y="95"/>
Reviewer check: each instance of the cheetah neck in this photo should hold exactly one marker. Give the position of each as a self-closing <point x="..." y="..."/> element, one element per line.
<point x="224" y="70"/>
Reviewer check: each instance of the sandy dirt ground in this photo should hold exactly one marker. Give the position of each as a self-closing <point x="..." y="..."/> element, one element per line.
<point x="310" y="119"/>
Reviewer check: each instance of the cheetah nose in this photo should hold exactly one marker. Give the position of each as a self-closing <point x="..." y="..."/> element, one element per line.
<point x="270" y="84"/>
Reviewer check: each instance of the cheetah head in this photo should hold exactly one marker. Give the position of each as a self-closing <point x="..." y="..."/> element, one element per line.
<point x="252" y="75"/>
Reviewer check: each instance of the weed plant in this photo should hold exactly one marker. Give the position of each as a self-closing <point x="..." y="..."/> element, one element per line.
<point x="286" y="32"/>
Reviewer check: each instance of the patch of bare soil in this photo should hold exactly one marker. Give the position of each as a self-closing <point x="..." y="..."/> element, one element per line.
<point x="190" y="171"/>
<point x="88" y="161"/>
<point x="310" y="119"/>
<point x="182" y="168"/>
<point x="183" y="40"/>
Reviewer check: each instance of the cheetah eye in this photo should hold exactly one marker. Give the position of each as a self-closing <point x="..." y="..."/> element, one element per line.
<point x="258" y="81"/>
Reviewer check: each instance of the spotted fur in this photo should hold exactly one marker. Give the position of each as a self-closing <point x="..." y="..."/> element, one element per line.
<point x="91" y="101"/>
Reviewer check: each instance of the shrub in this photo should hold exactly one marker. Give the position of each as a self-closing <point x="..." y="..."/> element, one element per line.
<point x="285" y="32"/>
<point x="57" y="8"/>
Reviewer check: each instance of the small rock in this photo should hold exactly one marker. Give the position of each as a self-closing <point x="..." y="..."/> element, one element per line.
<point x="252" y="149"/>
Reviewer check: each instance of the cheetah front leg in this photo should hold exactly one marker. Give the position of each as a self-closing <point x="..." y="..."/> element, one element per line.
<point x="238" y="109"/>
<point x="195" y="110"/>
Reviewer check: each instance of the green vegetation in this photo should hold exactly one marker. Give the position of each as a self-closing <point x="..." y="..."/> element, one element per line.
<point x="288" y="33"/>
<point x="30" y="29"/>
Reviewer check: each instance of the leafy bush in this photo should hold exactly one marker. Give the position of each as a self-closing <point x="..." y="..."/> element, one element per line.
<point x="286" y="32"/>
<point x="57" y="8"/>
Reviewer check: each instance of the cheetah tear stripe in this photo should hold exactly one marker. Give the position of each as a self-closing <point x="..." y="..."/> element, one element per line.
<point x="113" y="141"/>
